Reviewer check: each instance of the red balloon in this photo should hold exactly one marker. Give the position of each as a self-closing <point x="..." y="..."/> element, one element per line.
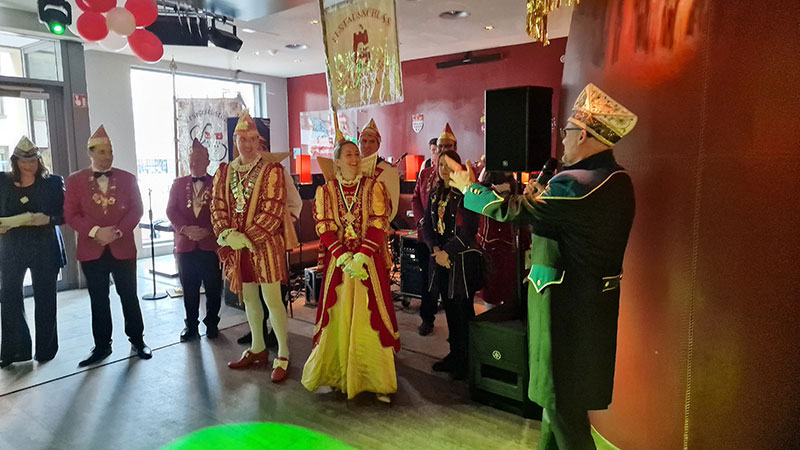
<point x="82" y="5"/>
<point x="100" y="5"/>
<point x="146" y="45"/>
<point x="92" y="26"/>
<point x="144" y="11"/>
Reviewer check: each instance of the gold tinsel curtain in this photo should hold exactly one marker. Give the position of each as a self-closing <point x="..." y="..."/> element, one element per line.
<point x="537" y="17"/>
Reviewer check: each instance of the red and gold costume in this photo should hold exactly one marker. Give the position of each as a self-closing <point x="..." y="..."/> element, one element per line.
<point x="248" y="213"/>
<point x="251" y="200"/>
<point x="356" y="331"/>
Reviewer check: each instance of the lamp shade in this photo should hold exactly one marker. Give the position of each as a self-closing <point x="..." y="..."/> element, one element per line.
<point x="413" y="163"/>
<point x="303" y="164"/>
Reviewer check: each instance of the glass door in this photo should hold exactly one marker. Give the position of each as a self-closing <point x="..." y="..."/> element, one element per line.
<point x="29" y="111"/>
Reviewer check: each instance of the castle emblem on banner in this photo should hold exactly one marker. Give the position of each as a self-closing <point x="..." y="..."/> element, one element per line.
<point x="417" y="122"/>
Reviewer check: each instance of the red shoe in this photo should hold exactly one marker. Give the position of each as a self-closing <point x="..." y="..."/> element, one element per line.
<point x="279" y="373"/>
<point x="251" y="359"/>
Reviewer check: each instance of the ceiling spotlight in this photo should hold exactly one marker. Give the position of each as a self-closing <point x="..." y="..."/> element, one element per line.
<point x="298" y="60"/>
<point x="248" y="30"/>
<point x="454" y="14"/>
<point x="314" y="22"/>
<point x="296" y="46"/>
<point x="256" y="53"/>
<point x="56" y="14"/>
<point x="272" y="52"/>
<point x="224" y="39"/>
<point x="488" y="27"/>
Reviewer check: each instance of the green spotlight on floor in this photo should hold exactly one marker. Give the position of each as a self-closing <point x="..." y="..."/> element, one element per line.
<point x="244" y="436"/>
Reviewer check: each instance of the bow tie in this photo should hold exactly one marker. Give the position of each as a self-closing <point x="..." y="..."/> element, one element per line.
<point x="102" y="174"/>
<point x="197" y="179"/>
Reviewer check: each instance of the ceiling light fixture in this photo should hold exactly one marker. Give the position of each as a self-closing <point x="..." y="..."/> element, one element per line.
<point x="256" y="53"/>
<point x="272" y="52"/>
<point x="224" y="39"/>
<point x="248" y="30"/>
<point x="298" y="60"/>
<point x="56" y="14"/>
<point x="314" y="22"/>
<point x="488" y="27"/>
<point x="454" y="14"/>
<point x="296" y="46"/>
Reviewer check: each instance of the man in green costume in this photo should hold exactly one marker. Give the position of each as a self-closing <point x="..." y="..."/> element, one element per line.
<point x="581" y="223"/>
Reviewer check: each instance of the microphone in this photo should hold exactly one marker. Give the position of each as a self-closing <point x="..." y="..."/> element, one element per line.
<point x="547" y="172"/>
<point x="397" y="163"/>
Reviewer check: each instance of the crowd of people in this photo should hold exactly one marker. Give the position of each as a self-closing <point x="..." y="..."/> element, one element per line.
<point x="239" y="224"/>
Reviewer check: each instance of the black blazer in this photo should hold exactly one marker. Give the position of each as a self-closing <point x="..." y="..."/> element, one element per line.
<point x="45" y="195"/>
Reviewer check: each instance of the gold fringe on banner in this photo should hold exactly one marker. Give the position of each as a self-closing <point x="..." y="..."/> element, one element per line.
<point x="536" y="25"/>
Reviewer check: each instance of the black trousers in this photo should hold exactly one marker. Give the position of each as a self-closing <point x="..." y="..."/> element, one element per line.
<point x="97" y="274"/>
<point x="458" y="311"/>
<point x="15" y="340"/>
<point x="196" y="267"/>
<point x="566" y="428"/>
<point x="429" y="304"/>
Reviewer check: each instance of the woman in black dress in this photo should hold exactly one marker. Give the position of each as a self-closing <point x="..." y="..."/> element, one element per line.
<point x="456" y="267"/>
<point x="31" y="208"/>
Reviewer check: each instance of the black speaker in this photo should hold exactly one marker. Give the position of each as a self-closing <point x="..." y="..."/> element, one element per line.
<point x="518" y="128"/>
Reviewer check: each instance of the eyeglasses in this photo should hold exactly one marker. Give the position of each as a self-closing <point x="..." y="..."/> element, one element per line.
<point x="563" y="131"/>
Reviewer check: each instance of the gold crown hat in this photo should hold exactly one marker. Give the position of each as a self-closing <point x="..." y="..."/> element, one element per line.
<point x="371" y="128"/>
<point x="26" y="149"/>
<point x="100" y="137"/>
<point x="447" y="134"/>
<point x="245" y="125"/>
<point x="602" y="116"/>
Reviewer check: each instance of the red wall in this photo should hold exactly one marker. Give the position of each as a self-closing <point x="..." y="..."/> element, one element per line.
<point x="452" y="95"/>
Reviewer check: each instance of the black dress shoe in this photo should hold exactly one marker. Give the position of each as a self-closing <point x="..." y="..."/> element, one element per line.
<point x="425" y="328"/>
<point x="188" y="334"/>
<point x="246" y="339"/>
<point x="212" y="331"/>
<point x="446" y="364"/>
<point x="142" y="350"/>
<point x="97" y="355"/>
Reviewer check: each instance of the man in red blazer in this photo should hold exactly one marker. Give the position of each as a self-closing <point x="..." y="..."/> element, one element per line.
<point x="104" y="206"/>
<point x="195" y="243"/>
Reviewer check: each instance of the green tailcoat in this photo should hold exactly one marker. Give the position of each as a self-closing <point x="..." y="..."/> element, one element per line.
<point x="579" y="240"/>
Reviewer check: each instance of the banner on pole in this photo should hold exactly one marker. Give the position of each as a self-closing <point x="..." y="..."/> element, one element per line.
<point x="361" y="48"/>
<point x="206" y="120"/>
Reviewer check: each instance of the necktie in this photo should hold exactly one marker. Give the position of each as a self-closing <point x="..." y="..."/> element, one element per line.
<point x="194" y="179"/>
<point x="102" y="174"/>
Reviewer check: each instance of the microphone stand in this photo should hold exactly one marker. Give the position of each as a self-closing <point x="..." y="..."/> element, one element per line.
<point x="155" y="295"/>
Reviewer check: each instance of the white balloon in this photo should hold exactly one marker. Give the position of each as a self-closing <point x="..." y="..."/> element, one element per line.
<point x="114" y="42"/>
<point x="121" y="21"/>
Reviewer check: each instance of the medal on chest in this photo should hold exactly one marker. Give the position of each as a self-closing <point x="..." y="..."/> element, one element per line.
<point x="349" y="217"/>
<point x="242" y="188"/>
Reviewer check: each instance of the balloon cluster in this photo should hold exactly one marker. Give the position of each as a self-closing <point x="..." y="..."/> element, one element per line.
<point x="114" y="27"/>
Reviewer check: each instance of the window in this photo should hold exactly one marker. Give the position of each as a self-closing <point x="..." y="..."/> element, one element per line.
<point x="153" y="117"/>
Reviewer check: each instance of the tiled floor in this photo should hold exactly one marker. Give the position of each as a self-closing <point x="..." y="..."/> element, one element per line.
<point x="129" y="403"/>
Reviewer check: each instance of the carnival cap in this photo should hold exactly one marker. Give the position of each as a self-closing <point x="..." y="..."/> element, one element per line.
<point x="245" y="125"/>
<point x="197" y="145"/>
<point x="26" y="149"/>
<point x="447" y="134"/>
<point x="100" y="137"/>
<point x="371" y="128"/>
<point x="602" y="116"/>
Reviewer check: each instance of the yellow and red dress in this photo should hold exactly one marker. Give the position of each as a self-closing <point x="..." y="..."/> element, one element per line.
<point x="252" y="202"/>
<point x="356" y="334"/>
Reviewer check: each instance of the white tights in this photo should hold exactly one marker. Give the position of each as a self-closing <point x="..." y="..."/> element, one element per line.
<point x="255" y="315"/>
